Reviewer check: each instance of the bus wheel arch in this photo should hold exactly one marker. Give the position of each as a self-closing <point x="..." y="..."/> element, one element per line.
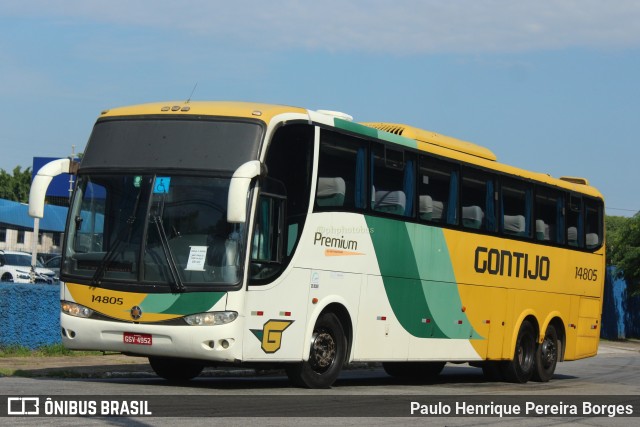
<point x="341" y="312"/>
<point x="562" y="337"/>
<point x="329" y="348"/>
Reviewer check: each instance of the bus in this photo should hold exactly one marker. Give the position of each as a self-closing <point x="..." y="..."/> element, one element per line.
<point x="229" y="233"/>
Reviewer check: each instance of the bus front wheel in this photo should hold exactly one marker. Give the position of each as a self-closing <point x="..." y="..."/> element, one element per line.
<point x="521" y="368"/>
<point x="175" y="370"/>
<point x="546" y="356"/>
<point x="326" y="356"/>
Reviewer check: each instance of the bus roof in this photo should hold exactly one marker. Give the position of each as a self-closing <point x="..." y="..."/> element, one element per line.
<point x="421" y="139"/>
<point x="263" y="112"/>
<point x="434" y="138"/>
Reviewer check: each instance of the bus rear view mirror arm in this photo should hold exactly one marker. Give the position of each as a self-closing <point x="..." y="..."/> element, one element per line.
<point x="43" y="179"/>
<point x="239" y="189"/>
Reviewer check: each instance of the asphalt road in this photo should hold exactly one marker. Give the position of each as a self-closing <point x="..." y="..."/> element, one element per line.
<point x="360" y="396"/>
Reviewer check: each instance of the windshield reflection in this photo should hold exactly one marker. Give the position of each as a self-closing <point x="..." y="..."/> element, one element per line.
<point x="153" y="229"/>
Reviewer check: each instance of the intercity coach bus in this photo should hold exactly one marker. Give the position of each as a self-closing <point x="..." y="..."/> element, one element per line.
<point x="217" y="233"/>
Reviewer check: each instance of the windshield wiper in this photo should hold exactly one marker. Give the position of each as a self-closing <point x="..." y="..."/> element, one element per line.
<point x="111" y="254"/>
<point x="176" y="285"/>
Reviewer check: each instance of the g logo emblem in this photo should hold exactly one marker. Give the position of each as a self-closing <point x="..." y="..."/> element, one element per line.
<point x="271" y="334"/>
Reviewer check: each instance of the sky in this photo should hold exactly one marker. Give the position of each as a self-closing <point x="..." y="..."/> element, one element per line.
<point x="551" y="86"/>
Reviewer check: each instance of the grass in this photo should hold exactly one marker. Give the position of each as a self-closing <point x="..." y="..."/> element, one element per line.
<point x="52" y="350"/>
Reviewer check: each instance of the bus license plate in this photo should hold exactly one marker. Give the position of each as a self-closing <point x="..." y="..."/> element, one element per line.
<point x="140" y="339"/>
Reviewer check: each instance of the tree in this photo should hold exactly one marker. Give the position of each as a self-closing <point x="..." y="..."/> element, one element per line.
<point x="15" y="187"/>
<point x="623" y="245"/>
<point x="613" y="226"/>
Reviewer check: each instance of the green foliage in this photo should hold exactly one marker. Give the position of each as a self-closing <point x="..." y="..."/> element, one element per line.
<point x="613" y="225"/>
<point x="14" y="350"/>
<point x="15" y="187"/>
<point x="51" y="350"/>
<point x="623" y="245"/>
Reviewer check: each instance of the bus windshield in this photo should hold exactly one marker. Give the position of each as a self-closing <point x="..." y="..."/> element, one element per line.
<point x="153" y="230"/>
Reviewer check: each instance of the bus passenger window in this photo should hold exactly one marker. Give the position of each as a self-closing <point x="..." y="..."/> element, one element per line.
<point x="549" y="216"/>
<point x="575" y="222"/>
<point x="341" y="165"/>
<point x="393" y="181"/>
<point x="331" y="191"/>
<point x="515" y="208"/>
<point x="593" y="224"/>
<point x="437" y="189"/>
<point x="477" y="201"/>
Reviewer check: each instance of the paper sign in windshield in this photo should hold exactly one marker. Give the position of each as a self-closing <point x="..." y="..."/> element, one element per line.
<point x="197" y="257"/>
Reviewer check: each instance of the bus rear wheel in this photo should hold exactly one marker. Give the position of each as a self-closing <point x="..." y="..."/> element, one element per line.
<point x="414" y="370"/>
<point x="326" y="356"/>
<point x="521" y="368"/>
<point x="546" y="356"/>
<point x="175" y="370"/>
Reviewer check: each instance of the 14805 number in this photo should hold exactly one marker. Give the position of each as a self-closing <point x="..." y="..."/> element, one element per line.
<point x="103" y="299"/>
<point x="588" y="274"/>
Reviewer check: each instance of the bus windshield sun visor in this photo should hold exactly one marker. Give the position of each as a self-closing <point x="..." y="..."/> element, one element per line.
<point x="171" y="144"/>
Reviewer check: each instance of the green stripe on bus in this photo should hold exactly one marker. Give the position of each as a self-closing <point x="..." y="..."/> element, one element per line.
<point x="439" y="280"/>
<point x="374" y="133"/>
<point x="419" y="282"/>
<point x="392" y="137"/>
<point x="355" y="127"/>
<point x="188" y="303"/>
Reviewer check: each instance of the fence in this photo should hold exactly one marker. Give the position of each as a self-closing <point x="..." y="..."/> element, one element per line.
<point x="29" y="315"/>
<point x="620" y="314"/>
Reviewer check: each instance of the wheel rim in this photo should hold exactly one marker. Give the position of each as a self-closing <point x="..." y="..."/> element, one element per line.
<point x="525" y="352"/>
<point x="323" y="351"/>
<point x="548" y="352"/>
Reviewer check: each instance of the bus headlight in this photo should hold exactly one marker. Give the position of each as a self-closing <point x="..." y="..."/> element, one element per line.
<point x="211" y="318"/>
<point x="73" y="309"/>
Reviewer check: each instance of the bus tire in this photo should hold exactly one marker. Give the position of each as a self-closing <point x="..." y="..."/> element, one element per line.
<point x="7" y="277"/>
<point x="521" y="368"/>
<point x="413" y="370"/>
<point x="175" y="370"/>
<point x="327" y="354"/>
<point x="546" y="356"/>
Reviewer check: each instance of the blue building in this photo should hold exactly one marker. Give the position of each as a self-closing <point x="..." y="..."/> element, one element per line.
<point x="16" y="227"/>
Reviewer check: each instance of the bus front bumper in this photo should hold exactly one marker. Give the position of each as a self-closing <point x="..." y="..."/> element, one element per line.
<point x="219" y="343"/>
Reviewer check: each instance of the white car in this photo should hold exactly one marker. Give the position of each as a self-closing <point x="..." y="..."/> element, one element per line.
<point x="16" y="267"/>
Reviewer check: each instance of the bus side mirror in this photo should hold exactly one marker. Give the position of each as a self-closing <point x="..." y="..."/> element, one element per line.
<point x="239" y="190"/>
<point x="41" y="183"/>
